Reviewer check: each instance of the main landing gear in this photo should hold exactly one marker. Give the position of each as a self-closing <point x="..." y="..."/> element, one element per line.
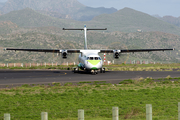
<point x="76" y="70"/>
<point x="93" y="72"/>
<point x="102" y="70"/>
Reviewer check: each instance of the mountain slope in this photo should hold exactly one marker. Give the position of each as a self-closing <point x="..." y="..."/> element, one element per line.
<point x="88" y="13"/>
<point x="172" y="20"/>
<point x="129" y="20"/>
<point x="30" y="18"/>
<point x="62" y="6"/>
<point x="125" y="20"/>
<point x="2" y="4"/>
<point x="70" y="9"/>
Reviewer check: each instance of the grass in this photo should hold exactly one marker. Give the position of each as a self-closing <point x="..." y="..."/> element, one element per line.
<point x="61" y="67"/>
<point x="96" y="98"/>
<point x="144" y="67"/>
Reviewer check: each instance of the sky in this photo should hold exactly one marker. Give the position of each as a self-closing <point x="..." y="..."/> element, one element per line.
<point x="151" y="7"/>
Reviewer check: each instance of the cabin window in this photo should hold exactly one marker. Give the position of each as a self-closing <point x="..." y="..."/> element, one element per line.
<point x="99" y="58"/>
<point x="87" y="58"/>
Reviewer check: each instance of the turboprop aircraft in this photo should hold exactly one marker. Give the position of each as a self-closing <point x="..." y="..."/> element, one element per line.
<point x="89" y="60"/>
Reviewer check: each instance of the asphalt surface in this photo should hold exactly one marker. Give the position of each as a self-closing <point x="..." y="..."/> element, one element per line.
<point x="19" y="77"/>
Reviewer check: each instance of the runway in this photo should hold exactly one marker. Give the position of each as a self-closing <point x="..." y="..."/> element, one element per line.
<point x="19" y="77"/>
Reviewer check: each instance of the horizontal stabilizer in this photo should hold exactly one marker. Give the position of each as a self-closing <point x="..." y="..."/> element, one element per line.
<point x="83" y="29"/>
<point x="71" y="29"/>
<point x="98" y="29"/>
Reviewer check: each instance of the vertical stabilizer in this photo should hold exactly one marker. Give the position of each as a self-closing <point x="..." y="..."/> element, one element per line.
<point x="85" y="37"/>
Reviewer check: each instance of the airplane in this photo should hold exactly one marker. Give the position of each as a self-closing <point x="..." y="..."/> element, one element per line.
<point x="89" y="60"/>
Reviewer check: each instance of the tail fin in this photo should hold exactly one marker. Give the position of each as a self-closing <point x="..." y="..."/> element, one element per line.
<point x="85" y="37"/>
<point x="85" y="33"/>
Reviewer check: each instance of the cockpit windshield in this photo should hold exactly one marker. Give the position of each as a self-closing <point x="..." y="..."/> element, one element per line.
<point x="96" y="58"/>
<point x="93" y="58"/>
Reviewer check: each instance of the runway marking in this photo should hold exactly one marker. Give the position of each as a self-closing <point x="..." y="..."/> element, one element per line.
<point x="49" y="75"/>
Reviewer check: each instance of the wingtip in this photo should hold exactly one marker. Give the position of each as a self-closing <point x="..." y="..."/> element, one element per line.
<point x="4" y="49"/>
<point x="173" y="48"/>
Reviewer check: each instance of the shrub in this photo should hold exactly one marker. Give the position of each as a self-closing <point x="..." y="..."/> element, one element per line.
<point x="56" y="84"/>
<point x="97" y="85"/>
<point x="168" y="77"/>
<point x="68" y="84"/>
<point x="166" y="82"/>
<point x="129" y="81"/>
<point x="25" y="85"/>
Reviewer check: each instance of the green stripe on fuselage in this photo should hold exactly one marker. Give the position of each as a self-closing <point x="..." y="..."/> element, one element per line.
<point x="94" y="62"/>
<point x="94" y="68"/>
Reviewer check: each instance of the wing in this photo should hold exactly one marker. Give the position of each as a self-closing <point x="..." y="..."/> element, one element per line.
<point x="78" y="50"/>
<point x="133" y="50"/>
<point x="45" y="50"/>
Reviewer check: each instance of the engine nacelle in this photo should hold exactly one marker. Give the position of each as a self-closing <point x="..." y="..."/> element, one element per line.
<point x="116" y="54"/>
<point x="64" y="54"/>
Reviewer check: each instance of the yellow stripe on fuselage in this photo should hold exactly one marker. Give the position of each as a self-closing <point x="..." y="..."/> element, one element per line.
<point x="94" y="62"/>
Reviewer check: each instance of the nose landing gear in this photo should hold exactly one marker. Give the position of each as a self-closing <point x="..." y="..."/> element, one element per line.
<point x="94" y="72"/>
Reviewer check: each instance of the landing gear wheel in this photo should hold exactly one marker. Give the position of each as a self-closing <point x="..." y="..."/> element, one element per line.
<point x="104" y="70"/>
<point x="101" y="70"/>
<point x="76" y="70"/>
<point x="96" y="72"/>
<point x="93" y="72"/>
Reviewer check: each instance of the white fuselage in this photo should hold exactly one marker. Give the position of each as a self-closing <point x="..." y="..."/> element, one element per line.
<point x="90" y="60"/>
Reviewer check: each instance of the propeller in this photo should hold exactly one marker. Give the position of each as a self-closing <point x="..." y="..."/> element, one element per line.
<point x="64" y="45"/>
<point x="123" y="58"/>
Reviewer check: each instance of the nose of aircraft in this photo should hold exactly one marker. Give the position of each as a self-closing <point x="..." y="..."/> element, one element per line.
<point x="93" y="64"/>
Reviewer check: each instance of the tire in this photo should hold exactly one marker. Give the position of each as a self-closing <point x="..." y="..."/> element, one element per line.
<point x="101" y="70"/>
<point x="104" y="70"/>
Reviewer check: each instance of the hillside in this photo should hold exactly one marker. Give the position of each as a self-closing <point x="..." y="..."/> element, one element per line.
<point x="2" y="4"/>
<point x="125" y="20"/>
<point x="88" y="13"/>
<point x="7" y="27"/>
<point x="62" y="6"/>
<point x="70" y="9"/>
<point x="172" y="20"/>
<point x="129" y="20"/>
<point x="30" y="18"/>
<point x="52" y="37"/>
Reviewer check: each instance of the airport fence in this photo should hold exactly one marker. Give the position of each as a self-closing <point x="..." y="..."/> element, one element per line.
<point x="33" y="64"/>
<point x="66" y="63"/>
<point x="149" y="113"/>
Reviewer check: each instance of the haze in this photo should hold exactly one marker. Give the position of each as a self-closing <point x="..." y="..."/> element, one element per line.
<point x="152" y="7"/>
